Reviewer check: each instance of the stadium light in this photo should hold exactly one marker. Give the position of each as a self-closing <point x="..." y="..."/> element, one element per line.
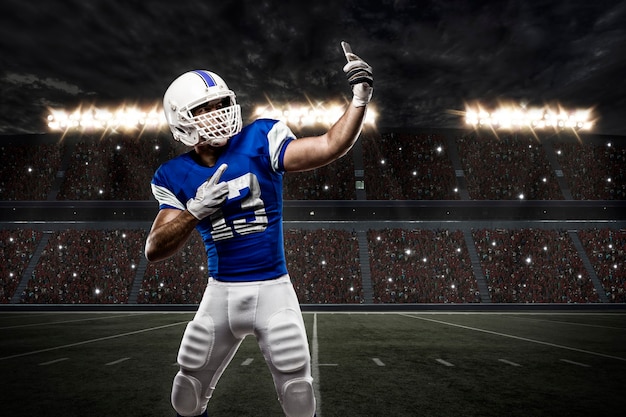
<point x="297" y="115"/>
<point x="129" y="118"/>
<point x="98" y="119"/>
<point x="517" y="117"/>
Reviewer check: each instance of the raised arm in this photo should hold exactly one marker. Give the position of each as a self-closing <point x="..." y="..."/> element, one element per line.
<point x="316" y="151"/>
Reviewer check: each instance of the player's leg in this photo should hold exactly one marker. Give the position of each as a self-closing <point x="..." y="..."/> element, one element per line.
<point x="206" y="349"/>
<point x="283" y="341"/>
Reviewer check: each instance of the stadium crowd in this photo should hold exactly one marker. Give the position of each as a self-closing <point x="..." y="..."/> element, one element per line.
<point x="396" y="166"/>
<point x="27" y="172"/>
<point x="324" y="266"/>
<point x="421" y="266"/>
<point x="180" y="279"/>
<point x="594" y="172"/>
<point x="407" y="266"/>
<point x="507" y="169"/>
<point x="330" y="182"/>
<point x="402" y="166"/>
<point x="533" y="266"/>
<point x="606" y="249"/>
<point x="80" y="266"/>
<point x="111" y="168"/>
<point x="16" y="249"/>
<point x="521" y="266"/>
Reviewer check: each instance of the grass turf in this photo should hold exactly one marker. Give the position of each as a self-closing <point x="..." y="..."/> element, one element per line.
<point x="394" y="364"/>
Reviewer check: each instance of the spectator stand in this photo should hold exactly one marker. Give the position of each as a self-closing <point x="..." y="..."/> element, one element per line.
<point x="84" y="266"/>
<point x="407" y="166"/>
<point x="335" y="181"/>
<point x="421" y="266"/>
<point x="17" y="247"/>
<point x="594" y="171"/>
<point x="180" y="279"/>
<point x="116" y="167"/>
<point x="324" y="266"/>
<point x="606" y="249"/>
<point x="533" y="266"/>
<point x="28" y="170"/>
<point x="569" y="157"/>
<point x="507" y="168"/>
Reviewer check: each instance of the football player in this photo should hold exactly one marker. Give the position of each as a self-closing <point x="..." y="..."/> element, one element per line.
<point x="229" y="188"/>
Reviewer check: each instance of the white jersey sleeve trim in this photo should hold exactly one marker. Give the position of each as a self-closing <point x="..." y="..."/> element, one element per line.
<point x="166" y="197"/>
<point x="277" y="136"/>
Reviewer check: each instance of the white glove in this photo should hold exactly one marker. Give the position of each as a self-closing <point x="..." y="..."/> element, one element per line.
<point x="360" y="77"/>
<point x="209" y="196"/>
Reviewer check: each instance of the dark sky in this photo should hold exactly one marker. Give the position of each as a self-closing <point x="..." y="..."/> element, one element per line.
<point x="429" y="57"/>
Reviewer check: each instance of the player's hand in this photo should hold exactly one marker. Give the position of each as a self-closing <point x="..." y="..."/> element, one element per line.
<point x="360" y="76"/>
<point x="209" y="196"/>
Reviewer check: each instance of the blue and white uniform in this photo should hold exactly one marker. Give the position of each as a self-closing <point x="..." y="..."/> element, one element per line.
<point x="249" y="291"/>
<point x="244" y="238"/>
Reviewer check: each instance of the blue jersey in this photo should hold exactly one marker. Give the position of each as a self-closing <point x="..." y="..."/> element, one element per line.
<point x="244" y="238"/>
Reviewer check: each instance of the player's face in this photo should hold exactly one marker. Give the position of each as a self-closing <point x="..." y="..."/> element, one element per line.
<point x="210" y="106"/>
<point x="214" y="117"/>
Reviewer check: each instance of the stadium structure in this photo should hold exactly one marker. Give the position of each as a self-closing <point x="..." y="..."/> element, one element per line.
<point x="476" y="271"/>
<point x="415" y="218"/>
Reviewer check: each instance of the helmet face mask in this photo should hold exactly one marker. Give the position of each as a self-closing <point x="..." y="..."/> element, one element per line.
<point x="199" y="107"/>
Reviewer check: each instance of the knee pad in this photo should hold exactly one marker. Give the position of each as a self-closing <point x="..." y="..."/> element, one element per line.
<point x="287" y="343"/>
<point x="187" y="395"/>
<point x="298" y="399"/>
<point x="196" y="345"/>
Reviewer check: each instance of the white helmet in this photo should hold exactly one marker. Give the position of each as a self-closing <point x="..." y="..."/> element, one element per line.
<point x="194" y="89"/>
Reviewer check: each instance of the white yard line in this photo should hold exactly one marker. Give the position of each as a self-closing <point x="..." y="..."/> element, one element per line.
<point x="68" y="321"/>
<point x="445" y="363"/>
<point x="571" y="323"/>
<point x="54" y="361"/>
<point x="584" y="365"/>
<point x="116" y="362"/>
<point x="515" y="337"/>
<point x="378" y="362"/>
<point x="84" y="342"/>
<point x="509" y="362"/>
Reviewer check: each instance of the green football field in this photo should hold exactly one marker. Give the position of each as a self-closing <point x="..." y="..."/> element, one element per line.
<point x="365" y="364"/>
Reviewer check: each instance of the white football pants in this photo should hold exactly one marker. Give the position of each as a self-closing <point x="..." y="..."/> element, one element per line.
<point x="229" y="312"/>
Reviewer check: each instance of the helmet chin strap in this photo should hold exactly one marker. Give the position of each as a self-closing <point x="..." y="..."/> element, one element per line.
<point x="213" y="142"/>
<point x="217" y="143"/>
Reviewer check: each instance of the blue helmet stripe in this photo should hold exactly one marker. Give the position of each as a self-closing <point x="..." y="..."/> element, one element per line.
<point x="208" y="80"/>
